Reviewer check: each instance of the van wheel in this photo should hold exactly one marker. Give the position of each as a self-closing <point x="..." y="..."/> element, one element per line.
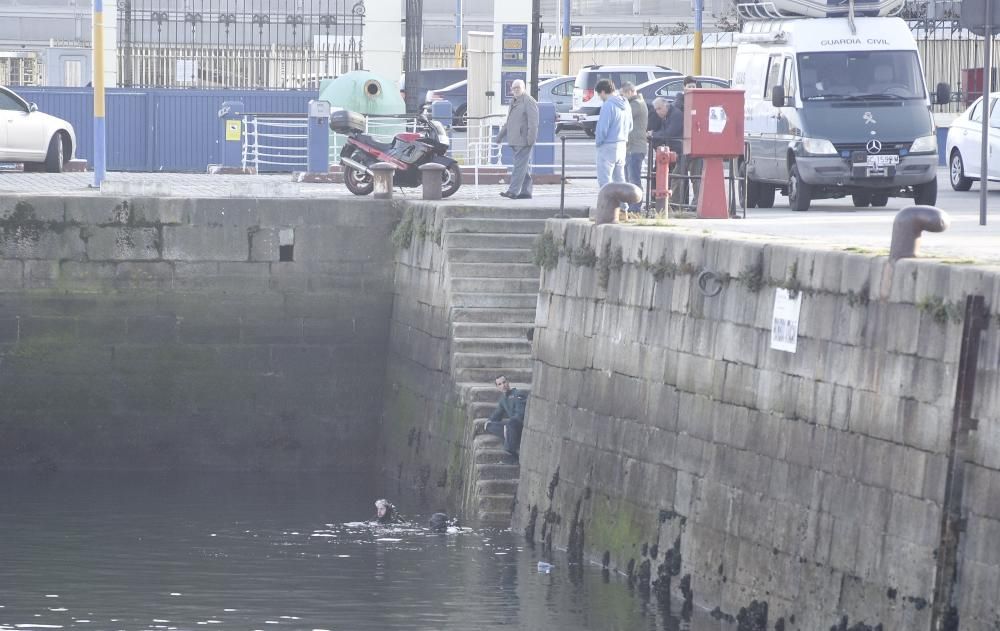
<point x="765" y="196"/>
<point x="799" y="193"/>
<point x="55" y="158"/>
<point x="925" y="194"/>
<point x="862" y="199"/>
<point x="747" y="189"/>
<point x="880" y="199"/>
<point x="956" y="172"/>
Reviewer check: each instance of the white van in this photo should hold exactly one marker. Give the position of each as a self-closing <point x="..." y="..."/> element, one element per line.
<point x="833" y="111"/>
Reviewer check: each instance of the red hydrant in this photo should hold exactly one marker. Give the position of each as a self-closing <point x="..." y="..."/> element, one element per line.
<point x="664" y="159"/>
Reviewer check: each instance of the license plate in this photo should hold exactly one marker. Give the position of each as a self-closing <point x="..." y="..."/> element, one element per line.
<point x="878" y="162"/>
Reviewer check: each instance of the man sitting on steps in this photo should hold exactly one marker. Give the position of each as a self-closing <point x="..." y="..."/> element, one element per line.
<point x="508" y="419"/>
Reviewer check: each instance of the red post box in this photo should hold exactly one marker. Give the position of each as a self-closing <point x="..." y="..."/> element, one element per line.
<point x="713" y="130"/>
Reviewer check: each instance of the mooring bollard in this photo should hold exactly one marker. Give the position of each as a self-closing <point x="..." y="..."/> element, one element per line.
<point x="610" y="200"/>
<point x="431" y="178"/>
<point x="909" y="224"/>
<point x="382" y="173"/>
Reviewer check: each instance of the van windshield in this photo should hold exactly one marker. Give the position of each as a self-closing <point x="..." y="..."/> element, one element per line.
<point x="851" y="75"/>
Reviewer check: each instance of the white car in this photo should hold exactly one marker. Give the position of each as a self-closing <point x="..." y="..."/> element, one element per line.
<point x="587" y="105"/>
<point x="964" y="148"/>
<point x="37" y="139"/>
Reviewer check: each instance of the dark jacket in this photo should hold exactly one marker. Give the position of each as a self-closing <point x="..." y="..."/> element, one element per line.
<point x="670" y="131"/>
<point x="511" y="407"/>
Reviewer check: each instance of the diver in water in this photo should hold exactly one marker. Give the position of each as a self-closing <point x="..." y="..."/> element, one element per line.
<point x="385" y="512"/>
<point x="440" y="522"/>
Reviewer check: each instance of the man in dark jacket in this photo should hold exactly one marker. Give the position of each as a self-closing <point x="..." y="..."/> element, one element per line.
<point x="667" y="128"/>
<point x="521" y="132"/>
<point x="687" y="167"/>
<point x="508" y="419"/>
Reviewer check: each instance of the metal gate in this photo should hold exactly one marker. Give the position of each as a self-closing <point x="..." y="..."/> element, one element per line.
<point x="249" y="44"/>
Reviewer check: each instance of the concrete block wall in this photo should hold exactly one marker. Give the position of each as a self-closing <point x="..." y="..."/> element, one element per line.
<point x="426" y="433"/>
<point x="667" y="440"/>
<point x="142" y="333"/>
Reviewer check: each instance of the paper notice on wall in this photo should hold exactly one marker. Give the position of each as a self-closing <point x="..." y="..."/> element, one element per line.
<point x="716" y="119"/>
<point x="785" y="321"/>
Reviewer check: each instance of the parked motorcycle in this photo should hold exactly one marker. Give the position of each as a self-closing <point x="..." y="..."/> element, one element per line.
<point x="407" y="152"/>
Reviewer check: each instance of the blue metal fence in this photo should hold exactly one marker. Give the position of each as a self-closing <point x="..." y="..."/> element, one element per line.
<point x="159" y="130"/>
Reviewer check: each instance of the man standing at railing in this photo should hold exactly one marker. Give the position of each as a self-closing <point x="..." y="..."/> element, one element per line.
<point x="611" y="134"/>
<point x="637" y="146"/>
<point x="521" y="131"/>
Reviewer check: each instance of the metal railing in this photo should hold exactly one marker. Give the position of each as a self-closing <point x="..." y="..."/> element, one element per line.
<point x="279" y="142"/>
<point x="276" y="142"/>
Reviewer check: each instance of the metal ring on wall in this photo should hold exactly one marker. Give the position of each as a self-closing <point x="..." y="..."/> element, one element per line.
<point x="709" y="284"/>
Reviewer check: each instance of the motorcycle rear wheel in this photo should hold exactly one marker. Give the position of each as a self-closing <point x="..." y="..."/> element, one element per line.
<point x="451" y="181"/>
<point x="358" y="182"/>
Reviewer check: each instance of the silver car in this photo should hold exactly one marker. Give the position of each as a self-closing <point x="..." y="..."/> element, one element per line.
<point x="558" y="91"/>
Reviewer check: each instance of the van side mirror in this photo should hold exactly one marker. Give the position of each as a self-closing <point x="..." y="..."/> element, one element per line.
<point x="32" y="107"/>
<point x="778" y="96"/>
<point x="942" y="94"/>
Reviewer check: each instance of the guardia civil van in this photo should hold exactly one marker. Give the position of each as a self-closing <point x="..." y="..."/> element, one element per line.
<point x="835" y="106"/>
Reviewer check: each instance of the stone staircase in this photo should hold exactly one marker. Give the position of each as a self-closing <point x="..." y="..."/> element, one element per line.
<point x="493" y="288"/>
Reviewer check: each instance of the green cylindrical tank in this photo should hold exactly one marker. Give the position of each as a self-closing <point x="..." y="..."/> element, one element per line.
<point x="366" y="93"/>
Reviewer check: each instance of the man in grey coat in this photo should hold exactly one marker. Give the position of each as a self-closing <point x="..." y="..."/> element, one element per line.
<point x="637" y="146"/>
<point x="521" y="131"/>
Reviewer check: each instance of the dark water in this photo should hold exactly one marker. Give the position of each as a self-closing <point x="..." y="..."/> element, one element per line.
<point x="120" y="551"/>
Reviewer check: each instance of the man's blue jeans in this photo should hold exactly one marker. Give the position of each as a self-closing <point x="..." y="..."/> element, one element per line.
<point x="511" y="437"/>
<point x="633" y="174"/>
<point x="610" y="163"/>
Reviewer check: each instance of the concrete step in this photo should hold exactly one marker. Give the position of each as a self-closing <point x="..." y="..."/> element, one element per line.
<point x="482" y="408"/>
<point x="493" y="241"/>
<point x="495" y="301"/>
<point x="496" y="487"/>
<point x="489" y="519"/>
<point x="493" y="456"/>
<point x="511" y="331"/>
<point x="493" y="270"/>
<point x="496" y="345"/>
<point x="491" y="315"/>
<point x="490" y="360"/>
<point x="491" y="255"/>
<point x="479" y="284"/>
<point x="496" y="503"/>
<point x="484" y="440"/>
<point x="516" y="375"/>
<point x="497" y="472"/>
<point x="486" y="393"/>
<point x="494" y="226"/>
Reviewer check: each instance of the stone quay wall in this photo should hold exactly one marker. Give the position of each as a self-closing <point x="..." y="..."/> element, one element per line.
<point x="170" y="333"/>
<point x="667" y="440"/>
<point x="426" y="432"/>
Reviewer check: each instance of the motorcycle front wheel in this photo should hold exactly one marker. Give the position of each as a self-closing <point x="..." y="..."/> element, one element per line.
<point x="451" y="180"/>
<point x="358" y="182"/>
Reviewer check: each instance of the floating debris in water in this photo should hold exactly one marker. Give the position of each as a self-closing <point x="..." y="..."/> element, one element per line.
<point x="545" y="567"/>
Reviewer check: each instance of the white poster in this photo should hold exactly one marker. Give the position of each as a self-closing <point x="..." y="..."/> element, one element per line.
<point x="785" y="322"/>
<point x="716" y="119"/>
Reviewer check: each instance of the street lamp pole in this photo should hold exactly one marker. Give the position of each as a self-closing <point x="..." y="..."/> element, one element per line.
<point x="98" y="82"/>
<point x="699" y="9"/>
<point x="565" y="36"/>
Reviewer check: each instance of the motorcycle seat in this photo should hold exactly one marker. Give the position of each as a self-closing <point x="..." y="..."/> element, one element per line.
<point x="408" y="136"/>
<point x="371" y="142"/>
